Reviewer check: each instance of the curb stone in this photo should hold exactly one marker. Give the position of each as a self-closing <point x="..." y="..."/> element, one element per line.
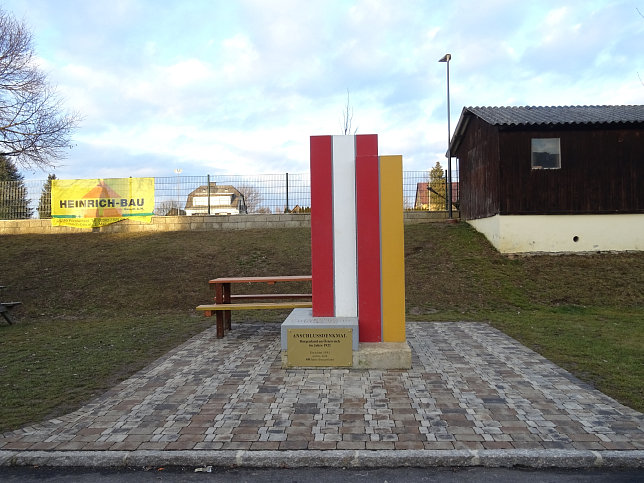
<point x="563" y="459"/>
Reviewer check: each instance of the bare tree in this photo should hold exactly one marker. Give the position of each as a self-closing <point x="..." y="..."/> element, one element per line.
<point x="34" y="128"/>
<point x="347" y="117"/>
<point x="169" y="208"/>
<point x="252" y="197"/>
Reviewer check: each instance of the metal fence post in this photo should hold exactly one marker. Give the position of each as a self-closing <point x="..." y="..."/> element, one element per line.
<point x="446" y="195"/>
<point x="209" y="194"/>
<point x="287" y="193"/>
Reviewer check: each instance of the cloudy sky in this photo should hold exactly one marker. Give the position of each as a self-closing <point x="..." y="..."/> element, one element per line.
<point x="238" y="86"/>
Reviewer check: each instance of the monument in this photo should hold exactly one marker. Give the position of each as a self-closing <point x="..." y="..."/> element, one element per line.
<point x="357" y="261"/>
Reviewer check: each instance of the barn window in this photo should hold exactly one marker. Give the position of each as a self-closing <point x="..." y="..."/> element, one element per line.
<point x="546" y="153"/>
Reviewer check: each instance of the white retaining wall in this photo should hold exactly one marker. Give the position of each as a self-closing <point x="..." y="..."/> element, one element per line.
<point x="563" y="233"/>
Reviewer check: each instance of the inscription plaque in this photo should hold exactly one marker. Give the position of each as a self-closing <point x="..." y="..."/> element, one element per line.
<point x="320" y="347"/>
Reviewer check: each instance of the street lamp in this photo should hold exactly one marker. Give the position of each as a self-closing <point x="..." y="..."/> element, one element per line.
<point x="178" y="173"/>
<point x="446" y="58"/>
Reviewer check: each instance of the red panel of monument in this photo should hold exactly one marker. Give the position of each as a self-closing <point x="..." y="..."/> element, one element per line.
<point x="322" y="226"/>
<point x="368" y="238"/>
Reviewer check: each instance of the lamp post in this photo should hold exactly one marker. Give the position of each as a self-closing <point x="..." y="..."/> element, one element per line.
<point x="446" y="58"/>
<point x="178" y="172"/>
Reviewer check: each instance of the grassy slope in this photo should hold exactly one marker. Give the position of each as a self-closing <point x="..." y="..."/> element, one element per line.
<point x="585" y="312"/>
<point x="98" y="307"/>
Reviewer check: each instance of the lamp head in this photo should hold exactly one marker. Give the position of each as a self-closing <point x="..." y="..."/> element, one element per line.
<point x="446" y="58"/>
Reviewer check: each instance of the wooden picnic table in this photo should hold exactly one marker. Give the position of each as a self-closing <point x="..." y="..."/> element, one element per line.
<point x="224" y="299"/>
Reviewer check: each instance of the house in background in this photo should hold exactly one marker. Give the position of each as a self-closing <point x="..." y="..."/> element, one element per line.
<point x="224" y="200"/>
<point x="422" y="199"/>
<point x="553" y="179"/>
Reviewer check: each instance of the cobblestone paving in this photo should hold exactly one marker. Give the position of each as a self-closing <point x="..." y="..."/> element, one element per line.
<point x="470" y="387"/>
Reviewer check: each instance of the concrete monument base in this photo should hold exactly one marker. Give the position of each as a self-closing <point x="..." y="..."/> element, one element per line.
<point x="376" y="355"/>
<point x="370" y="355"/>
<point x="382" y="355"/>
<point x="303" y="319"/>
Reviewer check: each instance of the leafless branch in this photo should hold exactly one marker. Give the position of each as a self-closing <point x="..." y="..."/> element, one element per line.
<point x="35" y="130"/>
<point x="347" y="117"/>
<point x="252" y="197"/>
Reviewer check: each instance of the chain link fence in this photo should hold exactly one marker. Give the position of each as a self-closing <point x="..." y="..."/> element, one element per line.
<point x="225" y="194"/>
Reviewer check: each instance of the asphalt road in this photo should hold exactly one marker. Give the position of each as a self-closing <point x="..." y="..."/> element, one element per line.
<point x="315" y="475"/>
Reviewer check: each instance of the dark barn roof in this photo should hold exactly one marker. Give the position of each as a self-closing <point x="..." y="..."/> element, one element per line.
<point x="548" y="116"/>
<point x="515" y="116"/>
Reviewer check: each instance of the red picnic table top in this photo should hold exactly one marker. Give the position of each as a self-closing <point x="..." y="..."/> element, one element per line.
<point x="282" y="278"/>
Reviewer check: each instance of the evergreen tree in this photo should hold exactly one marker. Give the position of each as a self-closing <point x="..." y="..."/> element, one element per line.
<point x="14" y="204"/>
<point x="437" y="188"/>
<point x="44" y="205"/>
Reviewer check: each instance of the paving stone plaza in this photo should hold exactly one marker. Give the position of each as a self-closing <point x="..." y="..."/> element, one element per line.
<point x="471" y="388"/>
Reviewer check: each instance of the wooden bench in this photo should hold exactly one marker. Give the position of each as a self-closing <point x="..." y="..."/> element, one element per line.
<point x="224" y="299"/>
<point x="276" y="296"/>
<point x="224" y="323"/>
<point x="5" y="307"/>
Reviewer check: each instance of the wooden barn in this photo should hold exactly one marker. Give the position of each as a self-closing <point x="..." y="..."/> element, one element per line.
<point x="553" y="179"/>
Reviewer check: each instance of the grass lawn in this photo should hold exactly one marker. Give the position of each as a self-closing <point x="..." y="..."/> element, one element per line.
<point x="98" y="307"/>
